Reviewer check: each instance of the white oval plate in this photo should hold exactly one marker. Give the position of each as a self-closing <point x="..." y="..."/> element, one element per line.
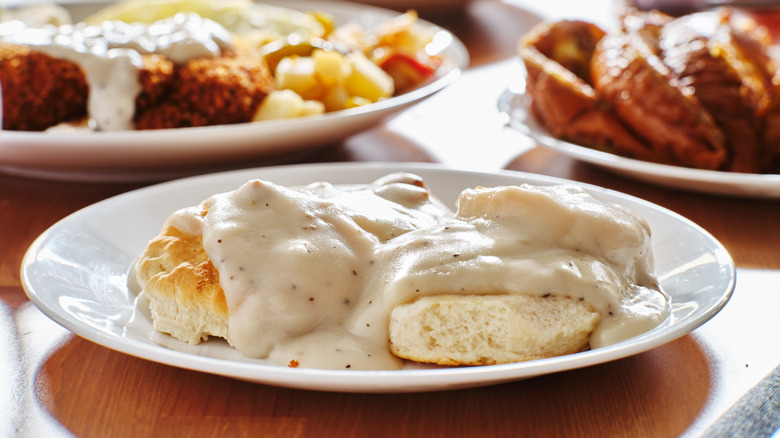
<point x="77" y="274"/>
<point x="515" y="105"/>
<point x="152" y="155"/>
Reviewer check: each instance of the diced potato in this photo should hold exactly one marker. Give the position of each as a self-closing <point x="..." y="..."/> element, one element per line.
<point x="367" y="80"/>
<point x="331" y="68"/>
<point x="336" y="98"/>
<point x="285" y="104"/>
<point x="296" y="73"/>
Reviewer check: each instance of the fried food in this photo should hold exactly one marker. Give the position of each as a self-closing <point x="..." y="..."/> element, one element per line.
<point x="557" y="60"/>
<point x="696" y="91"/>
<point x="771" y="125"/>
<point x="570" y="43"/>
<point x="204" y="91"/>
<point x="226" y="58"/>
<point x="729" y="76"/>
<point x="40" y="91"/>
<point x="211" y="91"/>
<point x="640" y="89"/>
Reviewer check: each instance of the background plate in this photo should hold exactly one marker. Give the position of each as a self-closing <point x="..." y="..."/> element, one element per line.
<point x="515" y="105"/>
<point x="152" y="155"/>
<point x="77" y="274"/>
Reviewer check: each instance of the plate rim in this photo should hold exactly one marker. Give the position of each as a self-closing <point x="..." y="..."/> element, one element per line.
<point x="362" y="380"/>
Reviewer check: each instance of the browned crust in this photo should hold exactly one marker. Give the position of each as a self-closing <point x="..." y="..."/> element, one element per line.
<point x="557" y="58"/>
<point x="212" y="91"/>
<point x="639" y="87"/>
<point x="155" y="78"/>
<point x="175" y="265"/>
<point x="570" y="43"/>
<point x="711" y="106"/>
<point x="39" y="91"/>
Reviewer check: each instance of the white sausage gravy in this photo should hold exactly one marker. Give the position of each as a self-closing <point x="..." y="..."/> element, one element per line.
<point x="311" y="273"/>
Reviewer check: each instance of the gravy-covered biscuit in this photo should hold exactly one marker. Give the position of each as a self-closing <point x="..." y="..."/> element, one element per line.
<point x="360" y="276"/>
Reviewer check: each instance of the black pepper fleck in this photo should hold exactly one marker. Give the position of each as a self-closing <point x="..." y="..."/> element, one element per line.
<point x="546" y="295"/>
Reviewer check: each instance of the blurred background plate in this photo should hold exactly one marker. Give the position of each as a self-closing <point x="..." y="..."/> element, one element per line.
<point x="154" y="155"/>
<point x="515" y="103"/>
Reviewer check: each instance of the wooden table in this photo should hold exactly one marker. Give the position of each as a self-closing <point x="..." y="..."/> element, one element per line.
<point x="53" y="383"/>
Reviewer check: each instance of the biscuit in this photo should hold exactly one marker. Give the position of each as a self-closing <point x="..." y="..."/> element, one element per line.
<point x="490" y="329"/>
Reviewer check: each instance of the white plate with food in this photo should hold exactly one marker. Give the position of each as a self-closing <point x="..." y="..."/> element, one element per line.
<point x="515" y="105"/>
<point x="162" y="153"/>
<point x="662" y="111"/>
<point x="79" y="273"/>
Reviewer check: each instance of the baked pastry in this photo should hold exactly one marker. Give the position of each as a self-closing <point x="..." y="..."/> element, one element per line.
<point x="639" y="86"/>
<point x="490" y="329"/>
<point x="695" y="91"/>
<point x="731" y="77"/>
<point x="362" y="276"/>
<point x="185" y="298"/>
<point x="557" y="60"/>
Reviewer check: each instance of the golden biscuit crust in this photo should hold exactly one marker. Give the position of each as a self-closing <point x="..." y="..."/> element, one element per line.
<point x="183" y="287"/>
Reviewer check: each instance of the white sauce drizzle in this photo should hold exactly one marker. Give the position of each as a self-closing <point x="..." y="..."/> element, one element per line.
<point x="311" y="274"/>
<point x="109" y="53"/>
